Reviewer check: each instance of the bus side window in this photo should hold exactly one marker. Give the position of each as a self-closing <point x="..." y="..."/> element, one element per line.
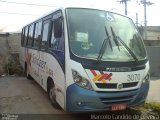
<point x="57" y="38"/>
<point x="44" y="42"/>
<point x="54" y="42"/>
<point x="22" y="37"/>
<point x="30" y="35"/>
<point x="25" y="35"/>
<point x="37" y="35"/>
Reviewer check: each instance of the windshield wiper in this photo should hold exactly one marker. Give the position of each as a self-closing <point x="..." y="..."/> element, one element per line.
<point x="115" y="38"/>
<point x="101" y="52"/>
<point x="118" y="39"/>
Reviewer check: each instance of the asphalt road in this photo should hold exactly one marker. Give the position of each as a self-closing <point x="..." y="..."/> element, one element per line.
<point x="22" y="96"/>
<point x="25" y="97"/>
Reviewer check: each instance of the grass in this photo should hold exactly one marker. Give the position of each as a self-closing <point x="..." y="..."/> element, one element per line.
<point x="155" y="106"/>
<point x="13" y="66"/>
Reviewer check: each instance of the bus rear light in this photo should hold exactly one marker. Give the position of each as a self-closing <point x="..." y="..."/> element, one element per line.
<point x="81" y="81"/>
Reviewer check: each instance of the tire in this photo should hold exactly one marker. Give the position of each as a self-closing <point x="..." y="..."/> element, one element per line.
<point x="52" y="95"/>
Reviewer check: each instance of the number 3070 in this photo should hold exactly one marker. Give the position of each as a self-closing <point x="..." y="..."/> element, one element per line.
<point x="133" y="77"/>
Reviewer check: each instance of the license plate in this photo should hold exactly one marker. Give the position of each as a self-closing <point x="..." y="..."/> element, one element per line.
<point x="116" y="107"/>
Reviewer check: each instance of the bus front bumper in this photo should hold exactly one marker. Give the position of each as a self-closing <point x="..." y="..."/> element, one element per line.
<point x="79" y="99"/>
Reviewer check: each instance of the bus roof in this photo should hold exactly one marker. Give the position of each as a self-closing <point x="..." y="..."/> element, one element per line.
<point x="69" y="6"/>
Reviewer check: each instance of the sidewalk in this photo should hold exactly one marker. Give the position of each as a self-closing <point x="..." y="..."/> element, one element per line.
<point x="154" y="91"/>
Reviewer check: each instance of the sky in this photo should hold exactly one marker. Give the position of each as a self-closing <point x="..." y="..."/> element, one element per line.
<point x="14" y="14"/>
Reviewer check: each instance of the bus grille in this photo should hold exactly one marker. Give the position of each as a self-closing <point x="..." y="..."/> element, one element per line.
<point x="118" y="97"/>
<point x="114" y="85"/>
<point x="117" y="100"/>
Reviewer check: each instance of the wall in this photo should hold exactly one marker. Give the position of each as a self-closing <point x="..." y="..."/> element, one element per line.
<point x="9" y="48"/>
<point x="9" y="43"/>
<point x="14" y="42"/>
<point x="153" y="35"/>
<point x="3" y="44"/>
<point x="153" y="32"/>
<point x="154" y="57"/>
<point x="152" y="42"/>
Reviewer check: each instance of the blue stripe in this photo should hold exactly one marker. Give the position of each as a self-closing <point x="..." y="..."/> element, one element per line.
<point x="102" y="101"/>
<point x="60" y="57"/>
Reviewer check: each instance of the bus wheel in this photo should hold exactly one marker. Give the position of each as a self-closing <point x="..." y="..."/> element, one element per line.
<point x="52" y="95"/>
<point x="27" y="74"/>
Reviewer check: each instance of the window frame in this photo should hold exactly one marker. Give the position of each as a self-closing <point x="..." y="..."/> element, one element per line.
<point x="26" y="35"/>
<point x="57" y="15"/>
<point x="32" y="35"/>
<point x="35" y="37"/>
<point x="45" y="20"/>
<point x="22" y="37"/>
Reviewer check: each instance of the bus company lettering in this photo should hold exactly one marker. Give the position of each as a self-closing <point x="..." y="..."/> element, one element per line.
<point x="39" y="62"/>
<point x="34" y="59"/>
<point x="121" y="69"/>
<point x="49" y="71"/>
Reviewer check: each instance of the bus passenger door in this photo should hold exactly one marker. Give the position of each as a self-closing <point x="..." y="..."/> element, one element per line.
<point x="57" y="57"/>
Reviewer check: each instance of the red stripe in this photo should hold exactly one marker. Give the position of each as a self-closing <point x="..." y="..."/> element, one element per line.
<point x="93" y="72"/>
<point x="109" y="76"/>
<point x="101" y="72"/>
<point x="103" y="77"/>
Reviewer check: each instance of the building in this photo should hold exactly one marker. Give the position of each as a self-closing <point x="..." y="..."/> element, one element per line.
<point x="152" y="35"/>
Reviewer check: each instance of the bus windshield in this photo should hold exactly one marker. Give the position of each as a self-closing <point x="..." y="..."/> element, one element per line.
<point x="96" y="34"/>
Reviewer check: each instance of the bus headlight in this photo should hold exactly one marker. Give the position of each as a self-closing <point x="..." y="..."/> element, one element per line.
<point x="81" y="81"/>
<point x="146" y="78"/>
